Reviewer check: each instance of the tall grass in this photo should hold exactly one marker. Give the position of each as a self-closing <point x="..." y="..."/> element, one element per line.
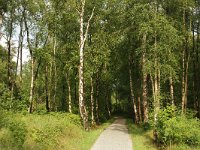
<point x="142" y="140"/>
<point x="45" y="132"/>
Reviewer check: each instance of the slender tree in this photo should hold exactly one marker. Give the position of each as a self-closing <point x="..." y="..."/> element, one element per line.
<point x="83" y="37"/>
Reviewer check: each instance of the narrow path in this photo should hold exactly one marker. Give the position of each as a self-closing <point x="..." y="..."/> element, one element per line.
<point x="115" y="137"/>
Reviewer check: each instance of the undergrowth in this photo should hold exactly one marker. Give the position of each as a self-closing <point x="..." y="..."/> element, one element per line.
<point x="142" y="139"/>
<point x="45" y="132"/>
<point x="175" y="131"/>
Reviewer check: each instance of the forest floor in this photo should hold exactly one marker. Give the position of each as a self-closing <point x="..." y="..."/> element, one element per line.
<point x="115" y="137"/>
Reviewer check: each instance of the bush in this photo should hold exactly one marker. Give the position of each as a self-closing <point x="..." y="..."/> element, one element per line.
<point x="8" y="102"/>
<point x="12" y="132"/>
<point x="174" y="128"/>
<point x="146" y="126"/>
<point x="19" y="131"/>
<point x="5" y="97"/>
<point x="49" y="131"/>
<point x="182" y="130"/>
<point x="46" y="129"/>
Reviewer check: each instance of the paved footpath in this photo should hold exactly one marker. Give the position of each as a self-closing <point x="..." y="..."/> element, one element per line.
<point x="115" y="137"/>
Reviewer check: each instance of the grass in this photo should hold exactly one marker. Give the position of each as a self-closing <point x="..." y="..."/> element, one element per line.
<point x="182" y="147"/>
<point x="46" y="132"/>
<point x="142" y="140"/>
<point x="90" y="137"/>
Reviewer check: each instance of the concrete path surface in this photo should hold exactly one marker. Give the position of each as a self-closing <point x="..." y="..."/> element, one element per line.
<point x="115" y="137"/>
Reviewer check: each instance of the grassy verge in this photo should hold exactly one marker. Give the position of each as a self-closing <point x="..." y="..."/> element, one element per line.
<point x="142" y="140"/>
<point x="45" y="132"/>
<point x="90" y="137"/>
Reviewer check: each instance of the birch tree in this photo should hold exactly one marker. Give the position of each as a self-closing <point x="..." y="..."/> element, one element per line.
<point x="83" y="37"/>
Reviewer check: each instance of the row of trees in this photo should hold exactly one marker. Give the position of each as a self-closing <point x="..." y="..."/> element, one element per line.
<point x="57" y="35"/>
<point x="84" y="54"/>
<point x="160" y="48"/>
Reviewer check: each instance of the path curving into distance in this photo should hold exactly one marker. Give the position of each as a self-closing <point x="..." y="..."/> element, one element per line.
<point x="115" y="137"/>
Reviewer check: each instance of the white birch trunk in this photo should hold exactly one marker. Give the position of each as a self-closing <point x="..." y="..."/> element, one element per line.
<point x="171" y="89"/>
<point x="83" y="37"/>
<point x="132" y="94"/>
<point x="69" y="95"/>
<point x="32" y="86"/>
<point x="55" y="74"/>
<point x="144" y="83"/>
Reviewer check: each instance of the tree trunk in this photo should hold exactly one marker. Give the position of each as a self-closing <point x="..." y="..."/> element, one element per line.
<point x="69" y="95"/>
<point x="131" y="91"/>
<point x="156" y="90"/>
<point x="83" y="37"/>
<point x="75" y="90"/>
<point x="198" y="71"/>
<point x="107" y="102"/>
<point x="32" y="85"/>
<point x="92" y="100"/>
<point x="144" y="83"/>
<point x="156" y="102"/>
<point x="116" y="99"/>
<point x="82" y="107"/>
<point x="156" y="95"/>
<point x="50" y="87"/>
<point x="21" y="55"/>
<point x="32" y="66"/>
<point x="19" y="51"/>
<point x="97" y="99"/>
<point x="46" y="88"/>
<point x="144" y="99"/>
<point x="185" y="66"/>
<point x="186" y="76"/>
<point x="107" y="105"/>
<point x="195" y="80"/>
<point x="17" y="63"/>
<point x="183" y="82"/>
<point x="139" y="109"/>
<point x="171" y="89"/>
<point x="9" y="52"/>
<point x="158" y="76"/>
<point x="186" y="85"/>
<point x="55" y="75"/>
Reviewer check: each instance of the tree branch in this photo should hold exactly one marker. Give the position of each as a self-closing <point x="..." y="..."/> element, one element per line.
<point x="88" y="25"/>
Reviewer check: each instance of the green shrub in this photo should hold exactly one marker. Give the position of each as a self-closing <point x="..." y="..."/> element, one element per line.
<point x="47" y="131"/>
<point x="74" y="119"/>
<point x="19" y="131"/>
<point x="174" y="128"/>
<point x="3" y="118"/>
<point x="182" y="130"/>
<point x="146" y="126"/>
<point x="8" y="102"/>
<point x="12" y="131"/>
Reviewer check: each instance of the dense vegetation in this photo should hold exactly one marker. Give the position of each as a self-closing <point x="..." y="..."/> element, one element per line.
<point x="92" y="58"/>
<point x="45" y="131"/>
